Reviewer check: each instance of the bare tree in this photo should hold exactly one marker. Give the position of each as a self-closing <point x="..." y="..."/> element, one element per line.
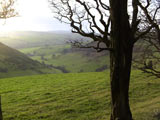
<point x="147" y="56"/>
<point x="117" y="24"/>
<point x="7" y="10"/>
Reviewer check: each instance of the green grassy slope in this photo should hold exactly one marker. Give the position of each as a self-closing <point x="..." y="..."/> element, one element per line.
<point x="15" y="63"/>
<point x="82" y="96"/>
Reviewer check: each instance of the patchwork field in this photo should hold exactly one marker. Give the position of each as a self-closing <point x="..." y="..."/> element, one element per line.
<point x="70" y="59"/>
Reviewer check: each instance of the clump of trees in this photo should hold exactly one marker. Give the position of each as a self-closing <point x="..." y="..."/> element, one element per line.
<point x="102" y="68"/>
<point x="119" y="24"/>
<point x="3" y="70"/>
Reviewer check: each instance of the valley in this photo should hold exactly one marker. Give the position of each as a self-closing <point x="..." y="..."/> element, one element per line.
<point x="51" y="49"/>
<point x="48" y="79"/>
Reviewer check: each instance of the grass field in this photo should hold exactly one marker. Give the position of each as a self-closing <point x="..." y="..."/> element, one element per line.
<point x="72" y="60"/>
<point x="80" y="96"/>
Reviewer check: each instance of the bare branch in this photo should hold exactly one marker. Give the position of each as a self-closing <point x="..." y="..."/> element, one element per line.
<point x="7" y="9"/>
<point x="81" y="44"/>
<point x="80" y="14"/>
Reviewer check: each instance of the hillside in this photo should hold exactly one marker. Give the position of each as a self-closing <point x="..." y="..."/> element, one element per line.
<point x="81" y="96"/>
<point x="51" y="48"/>
<point x="15" y="63"/>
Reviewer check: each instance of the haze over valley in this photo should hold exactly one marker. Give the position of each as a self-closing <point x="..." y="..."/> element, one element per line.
<point x="53" y="50"/>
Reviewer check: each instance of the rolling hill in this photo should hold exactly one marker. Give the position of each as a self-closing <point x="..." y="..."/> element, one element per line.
<point x="71" y="96"/>
<point x="79" y="96"/>
<point x="15" y="63"/>
<point x="51" y="48"/>
<point x="30" y="39"/>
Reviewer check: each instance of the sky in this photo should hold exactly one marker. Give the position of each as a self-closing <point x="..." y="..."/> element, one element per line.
<point x="34" y="15"/>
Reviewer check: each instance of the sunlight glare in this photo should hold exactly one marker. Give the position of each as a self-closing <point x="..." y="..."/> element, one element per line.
<point x="34" y="15"/>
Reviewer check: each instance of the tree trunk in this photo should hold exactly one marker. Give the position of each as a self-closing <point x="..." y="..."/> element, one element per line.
<point x="158" y="33"/>
<point x="121" y="58"/>
<point x="120" y="77"/>
<point x="1" y="117"/>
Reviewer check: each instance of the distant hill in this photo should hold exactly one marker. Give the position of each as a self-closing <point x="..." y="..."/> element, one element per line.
<point x="15" y="63"/>
<point x="29" y="39"/>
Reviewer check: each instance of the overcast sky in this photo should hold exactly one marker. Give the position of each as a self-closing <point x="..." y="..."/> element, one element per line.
<point x="35" y="15"/>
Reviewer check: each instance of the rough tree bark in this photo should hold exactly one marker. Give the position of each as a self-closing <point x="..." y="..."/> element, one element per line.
<point x="1" y="117"/>
<point x="121" y="58"/>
